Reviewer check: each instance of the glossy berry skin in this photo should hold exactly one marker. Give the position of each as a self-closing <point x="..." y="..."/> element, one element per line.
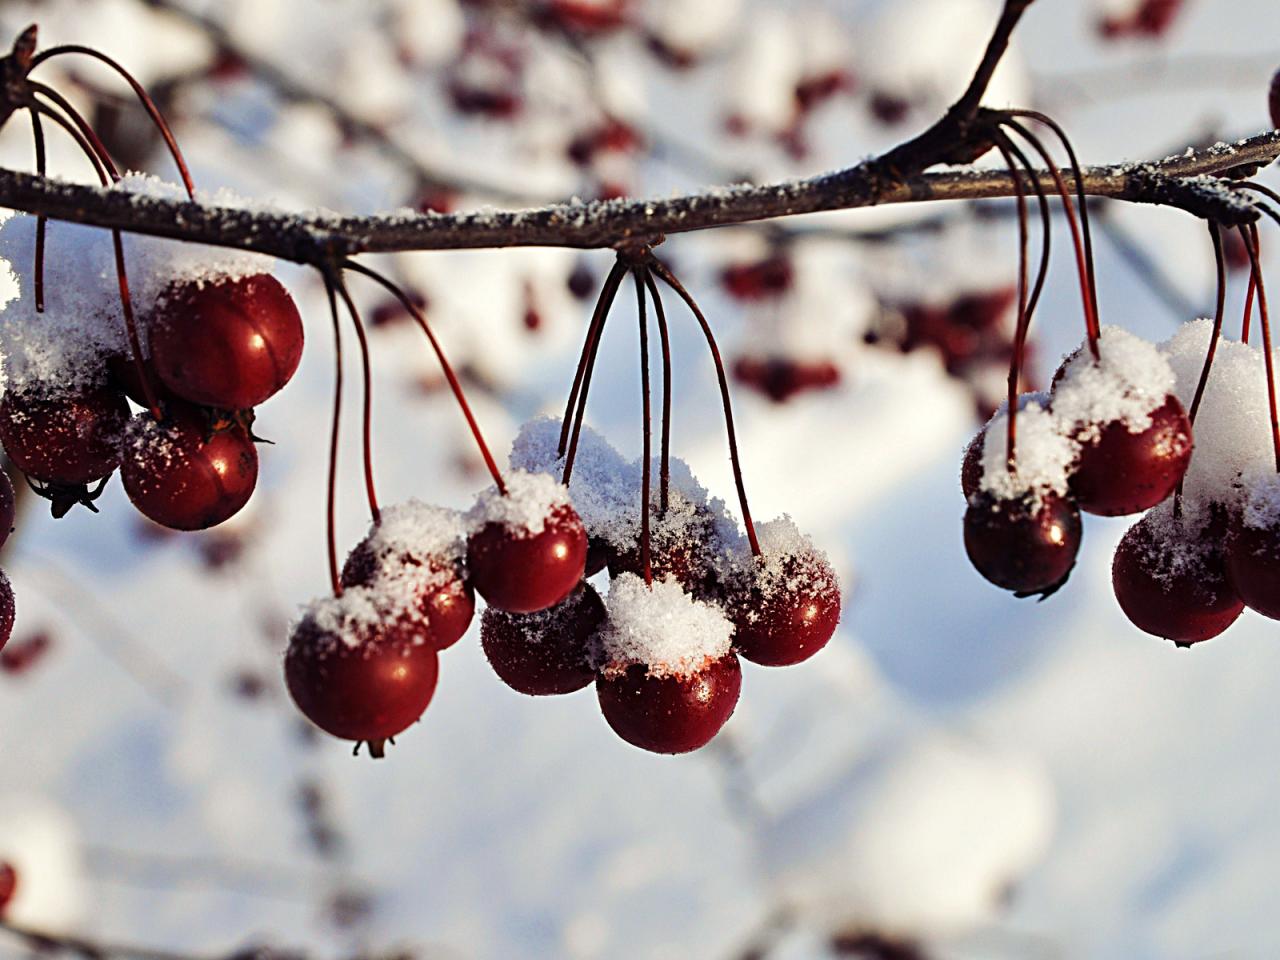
<point x="792" y="622"/>
<point x="65" y="437"/>
<point x="525" y="574"/>
<point x="448" y="603"/>
<point x="8" y="507"/>
<point x="547" y="653"/>
<point x="1186" y="605"/>
<point x="229" y="344"/>
<point x="674" y="714"/>
<point x="8" y="885"/>
<point x="7" y="609"/>
<point x="1022" y="546"/>
<point x="367" y="692"/>
<point x="1253" y="567"/>
<point x="1120" y="472"/>
<point x="183" y="476"/>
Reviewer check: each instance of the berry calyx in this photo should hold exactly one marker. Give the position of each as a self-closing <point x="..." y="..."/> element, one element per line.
<point x="1170" y="578"/>
<point x="1121" y="471"/>
<point x="8" y="885"/>
<point x="529" y="548"/>
<point x="670" y="714"/>
<point x="187" y="473"/>
<point x="544" y="653"/>
<point x="229" y="343"/>
<point x="1027" y="545"/>
<point x="63" y="437"/>
<point x="359" y="679"/>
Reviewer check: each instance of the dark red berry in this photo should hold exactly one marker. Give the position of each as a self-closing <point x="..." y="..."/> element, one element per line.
<point x="781" y="378"/>
<point x="63" y="437"/>
<point x="582" y="281"/>
<point x="759" y="279"/>
<point x="229" y="344"/>
<point x="545" y="653"/>
<point x="8" y="885"/>
<point x="682" y="544"/>
<point x="670" y="714"/>
<point x="971" y="465"/>
<point x="1253" y="567"/>
<point x="889" y="108"/>
<point x="368" y="683"/>
<point x="1274" y="100"/>
<point x="21" y="655"/>
<point x="8" y="507"/>
<point x="1120" y="472"/>
<point x="1028" y="546"/>
<point x="1171" y="579"/>
<point x="185" y="473"/>
<point x="792" y="617"/>
<point x="122" y="375"/>
<point x="598" y="553"/>
<point x="523" y="573"/>
<point x="444" y="598"/>
<point x="7" y="609"/>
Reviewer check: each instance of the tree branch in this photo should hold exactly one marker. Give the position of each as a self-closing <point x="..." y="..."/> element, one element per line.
<point x="314" y="238"/>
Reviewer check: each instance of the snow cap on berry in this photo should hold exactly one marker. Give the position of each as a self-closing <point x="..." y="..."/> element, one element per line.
<point x="360" y="614"/>
<point x="1233" y="423"/>
<point x="1043" y="455"/>
<point x="661" y="627"/>
<point x="530" y="500"/>
<point x="603" y="484"/>
<point x="789" y="560"/>
<point x="1178" y="545"/>
<point x="419" y="532"/>
<point x="1130" y="381"/>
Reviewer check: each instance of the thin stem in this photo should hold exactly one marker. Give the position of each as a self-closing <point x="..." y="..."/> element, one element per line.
<point x="367" y="400"/>
<point x="1046" y="245"/>
<point x="37" y="134"/>
<point x="446" y="368"/>
<point x="646" y="555"/>
<point x="669" y="279"/>
<point x="91" y="135"/>
<point x="1092" y="327"/>
<point x="607" y="296"/>
<point x="1015" y="362"/>
<point x="145" y="98"/>
<point x="1077" y="172"/>
<point x="589" y="344"/>
<point x="334" y="435"/>
<point x="664" y="470"/>
<point x="1248" y="297"/>
<point x="1265" y="322"/>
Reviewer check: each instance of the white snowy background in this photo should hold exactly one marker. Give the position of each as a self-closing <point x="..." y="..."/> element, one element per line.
<point x="1002" y="778"/>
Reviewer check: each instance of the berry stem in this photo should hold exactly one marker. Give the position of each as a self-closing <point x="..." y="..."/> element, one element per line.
<point x="1251" y="244"/>
<point x="367" y="400"/>
<point x="1092" y="328"/>
<point x="334" y="435"/>
<point x="1011" y="435"/>
<point x="607" y="296"/>
<point x="37" y="134"/>
<point x="586" y="362"/>
<point x="416" y="312"/>
<point x="145" y="98"/>
<point x="670" y="280"/>
<point x="646" y="554"/>
<point x="92" y="146"/>
<point x="1248" y="303"/>
<point x="664" y="470"/>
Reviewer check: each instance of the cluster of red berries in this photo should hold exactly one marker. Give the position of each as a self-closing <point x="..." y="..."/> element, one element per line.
<point x="1109" y="439"/>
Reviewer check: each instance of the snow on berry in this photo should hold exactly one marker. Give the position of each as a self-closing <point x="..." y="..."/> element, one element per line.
<point x="1130" y="380"/>
<point x="524" y="509"/>
<point x="1233" y="426"/>
<point x="661" y="627"/>
<point x="1262" y="505"/>
<point x="1043" y="454"/>
<point x="414" y="532"/>
<point x="788" y="559"/>
<point x="360" y="613"/>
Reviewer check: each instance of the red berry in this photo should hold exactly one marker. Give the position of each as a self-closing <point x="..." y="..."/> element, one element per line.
<point x="781" y="378"/>
<point x="546" y="653"/>
<point x="674" y="713"/>
<point x="61" y="437"/>
<point x="185" y="473"/>
<point x="1274" y="100"/>
<point x="444" y="597"/>
<point x="7" y="609"/>
<point x="229" y="344"/>
<point x="8" y="507"/>
<point x="1253" y="567"/>
<point x="1121" y="472"/>
<point x="971" y="465"/>
<point x="793" y="617"/>
<point x="1026" y="546"/>
<point x="682" y="544"/>
<point x="1170" y="579"/>
<point x="8" y="885"/>
<point x="361" y="681"/>
<point x="770" y="277"/>
<point x="521" y="572"/>
<point x="21" y="655"/>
